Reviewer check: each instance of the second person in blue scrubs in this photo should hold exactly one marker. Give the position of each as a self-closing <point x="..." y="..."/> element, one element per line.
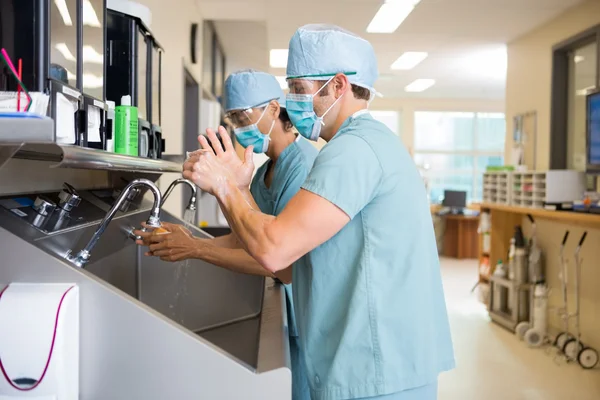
<point x="255" y="105"/>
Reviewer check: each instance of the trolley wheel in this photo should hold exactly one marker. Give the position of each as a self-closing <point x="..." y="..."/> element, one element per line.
<point x="534" y="338"/>
<point x="521" y="329"/>
<point x="588" y="358"/>
<point x="572" y="349"/>
<point x="561" y="339"/>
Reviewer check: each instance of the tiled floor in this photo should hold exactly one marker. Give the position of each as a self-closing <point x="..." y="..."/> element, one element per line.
<point x="491" y="363"/>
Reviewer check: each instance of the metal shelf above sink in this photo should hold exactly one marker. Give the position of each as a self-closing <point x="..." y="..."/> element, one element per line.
<point x="35" y="139"/>
<point x="68" y="156"/>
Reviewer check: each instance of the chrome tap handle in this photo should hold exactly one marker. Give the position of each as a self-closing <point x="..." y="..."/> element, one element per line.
<point x="44" y="206"/>
<point x="69" y="198"/>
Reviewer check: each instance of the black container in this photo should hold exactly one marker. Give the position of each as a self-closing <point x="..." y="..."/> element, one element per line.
<point x="155" y="83"/>
<point x="24" y="33"/>
<point x="127" y="61"/>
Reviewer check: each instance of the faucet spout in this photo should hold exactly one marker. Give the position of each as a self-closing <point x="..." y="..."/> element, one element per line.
<point x="192" y="203"/>
<point x="153" y="220"/>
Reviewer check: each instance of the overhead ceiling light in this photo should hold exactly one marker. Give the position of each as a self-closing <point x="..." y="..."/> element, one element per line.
<point x="579" y="59"/>
<point x="64" y="50"/>
<point x="90" y="18"/>
<point x="91" y="55"/>
<point x="390" y="15"/>
<point x="409" y="60"/>
<point x="282" y="82"/>
<point x="278" y="58"/>
<point x="420" y="85"/>
<point x="64" y="11"/>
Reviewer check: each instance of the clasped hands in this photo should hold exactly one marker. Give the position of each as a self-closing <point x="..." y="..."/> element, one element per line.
<point x="212" y="169"/>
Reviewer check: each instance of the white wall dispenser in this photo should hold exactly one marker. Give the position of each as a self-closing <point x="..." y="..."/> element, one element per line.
<point x="39" y="341"/>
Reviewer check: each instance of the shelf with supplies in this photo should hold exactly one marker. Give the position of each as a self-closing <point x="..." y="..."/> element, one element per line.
<point x="34" y="139"/>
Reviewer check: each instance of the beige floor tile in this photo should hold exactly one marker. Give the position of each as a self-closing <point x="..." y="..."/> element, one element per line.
<point x="492" y="364"/>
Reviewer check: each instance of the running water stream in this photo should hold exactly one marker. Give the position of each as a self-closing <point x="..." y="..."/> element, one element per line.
<point x="180" y="275"/>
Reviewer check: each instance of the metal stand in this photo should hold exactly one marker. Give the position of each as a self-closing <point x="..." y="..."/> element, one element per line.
<point x="516" y="312"/>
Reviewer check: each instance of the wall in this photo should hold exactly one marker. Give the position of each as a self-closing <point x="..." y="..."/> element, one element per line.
<point x="528" y="88"/>
<point x="407" y="108"/>
<point x="528" y="81"/>
<point x="171" y="24"/>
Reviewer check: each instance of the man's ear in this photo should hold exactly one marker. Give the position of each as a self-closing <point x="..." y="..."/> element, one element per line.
<point x="274" y="109"/>
<point x="340" y="84"/>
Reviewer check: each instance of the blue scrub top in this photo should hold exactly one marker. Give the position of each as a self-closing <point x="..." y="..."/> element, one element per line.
<point x="291" y="169"/>
<point x="369" y="302"/>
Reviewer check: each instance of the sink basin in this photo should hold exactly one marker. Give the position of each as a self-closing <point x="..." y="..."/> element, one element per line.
<point x="240" y="339"/>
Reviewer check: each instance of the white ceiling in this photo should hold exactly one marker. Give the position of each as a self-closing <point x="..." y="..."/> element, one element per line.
<point x="451" y="31"/>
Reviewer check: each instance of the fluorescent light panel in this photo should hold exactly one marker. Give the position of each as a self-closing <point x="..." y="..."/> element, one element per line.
<point x="64" y="11"/>
<point x="278" y="58"/>
<point x="409" y="60"/>
<point x="420" y="85"/>
<point x="391" y="15"/>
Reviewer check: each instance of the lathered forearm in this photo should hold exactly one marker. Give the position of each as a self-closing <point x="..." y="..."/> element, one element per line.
<point x="250" y="226"/>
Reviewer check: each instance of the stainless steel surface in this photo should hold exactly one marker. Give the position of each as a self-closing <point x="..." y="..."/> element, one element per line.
<point x="192" y="202"/>
<point x="44" y="206"/>
<point x="7" y="152"/>
<point x="69" y="198"/>
<point x="26" y="130"/>
<point x="153" y="220"/>
<point x="182" y="291"/>
<point x="68" y="156"/>
<point x="130" y="351"/>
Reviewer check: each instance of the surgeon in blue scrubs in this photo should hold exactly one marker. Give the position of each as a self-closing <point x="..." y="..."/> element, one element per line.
<point x="367" y="286"/>
<point x="255" y="105"/>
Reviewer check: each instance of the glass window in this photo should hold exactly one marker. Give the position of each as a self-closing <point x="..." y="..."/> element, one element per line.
<point x="582" y="79"/>
<point x="391" y="119"/>
<point x="63" y="41"/>
<point x="443" y="130"/>
<point x="491" y="131"/>
<point x="454" y="149"/>
<point x="93" y="48"/>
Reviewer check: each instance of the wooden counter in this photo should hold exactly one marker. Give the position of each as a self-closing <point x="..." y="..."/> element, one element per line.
<point x="460" y="236"/>
<point x="568" y="217"/>
<point x="505" y="218"/>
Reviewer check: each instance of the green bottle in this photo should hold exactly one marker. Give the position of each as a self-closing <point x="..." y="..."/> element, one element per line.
<point x="126" y="128"/>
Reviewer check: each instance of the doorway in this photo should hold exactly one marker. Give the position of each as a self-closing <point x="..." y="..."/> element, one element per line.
<point x="191" y="120"/>
<point x="191" y="116"/>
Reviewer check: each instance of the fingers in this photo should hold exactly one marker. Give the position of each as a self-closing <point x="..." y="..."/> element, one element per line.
<point x="169" y="226"/>
<point x="154" y="247"/>
<point x="248" y="155"/>
<point x="214" y="140"/>
<point x="226" y="139"/>
<point x="204" y="143"/>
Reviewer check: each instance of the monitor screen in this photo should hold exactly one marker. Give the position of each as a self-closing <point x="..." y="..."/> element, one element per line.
<point x="455" y="199"/>
<point x="593" y="143"/>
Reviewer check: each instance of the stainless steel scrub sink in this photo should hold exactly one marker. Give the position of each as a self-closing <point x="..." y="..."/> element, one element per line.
<point x="222" y="306"/>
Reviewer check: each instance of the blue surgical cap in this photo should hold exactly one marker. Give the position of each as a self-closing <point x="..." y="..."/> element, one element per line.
<point x="249" y="88"/>
<point x="318" y="52"/>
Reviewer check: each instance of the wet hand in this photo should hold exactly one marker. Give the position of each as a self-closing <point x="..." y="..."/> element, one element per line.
<point x="177" y="245"/>
<point x="240" y="171"/>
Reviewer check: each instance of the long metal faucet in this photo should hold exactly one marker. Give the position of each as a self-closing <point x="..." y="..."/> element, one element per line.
<point x="153" y="220"/>
<point x="192" y="203"/>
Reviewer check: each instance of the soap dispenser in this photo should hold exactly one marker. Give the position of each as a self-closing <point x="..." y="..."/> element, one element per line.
<point x="39" y="341"/>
